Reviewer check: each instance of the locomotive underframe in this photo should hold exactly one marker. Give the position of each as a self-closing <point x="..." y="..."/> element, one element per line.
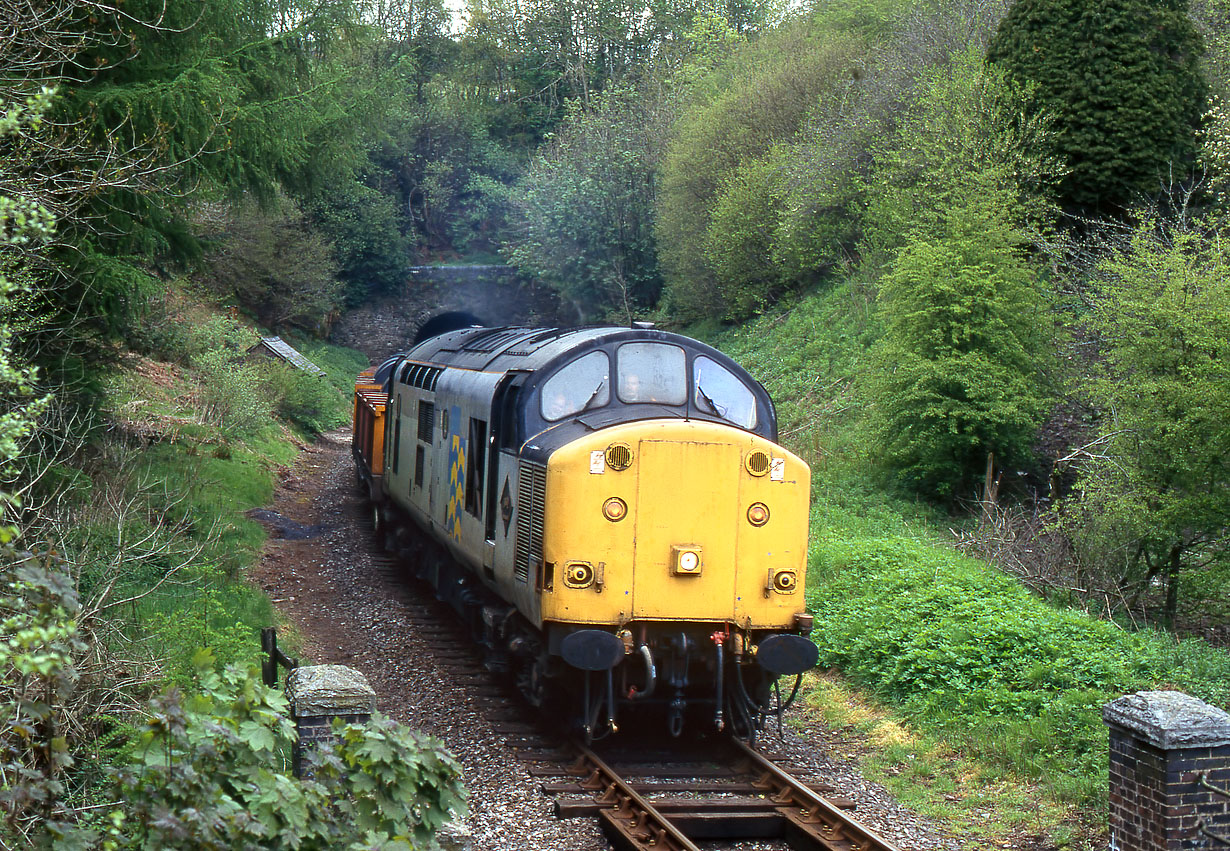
<point x="691" y="672"/>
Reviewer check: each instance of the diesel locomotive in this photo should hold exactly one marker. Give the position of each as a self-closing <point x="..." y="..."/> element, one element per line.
<point x="607" y="507"/>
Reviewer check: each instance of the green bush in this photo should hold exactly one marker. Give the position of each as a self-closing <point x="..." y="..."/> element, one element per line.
<point x="305" y="400"/>
<point x="718" y="196"/>
<point x="1122" y="79"/>
<point x="965" y="648"/>
<point x="213" y="776"/>
<point x="229" y="393"/>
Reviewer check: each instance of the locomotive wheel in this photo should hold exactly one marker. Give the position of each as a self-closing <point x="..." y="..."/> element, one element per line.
<point x="378" y="520"/>
<point x="532" y="679"/>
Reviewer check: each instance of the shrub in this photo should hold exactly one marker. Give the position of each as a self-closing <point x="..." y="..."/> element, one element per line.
<point x="213" y="776"/>
<point x="229" y="393"/>
<point x="308" y="401"/>
<point x="1123" y="81"/>
<point x="969" y="649"/>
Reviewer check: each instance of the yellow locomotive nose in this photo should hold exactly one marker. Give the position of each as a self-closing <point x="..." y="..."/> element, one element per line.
<point x="706" y="524"/>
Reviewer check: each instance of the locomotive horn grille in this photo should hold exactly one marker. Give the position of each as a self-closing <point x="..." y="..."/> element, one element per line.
<point x="757" y="463"/>
<point x="619" y="456"/>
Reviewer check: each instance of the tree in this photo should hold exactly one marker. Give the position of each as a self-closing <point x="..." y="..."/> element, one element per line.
<point x="364" y="225"/>
<point x="720" y="161"/>
<point x="957" y="375"/>
<point x="967" y="133"/>
<point x="269" y="262"/>
<point x="585" y="208"/>
<point x="1156" y="488"/>
<point x="1123" y="82"/>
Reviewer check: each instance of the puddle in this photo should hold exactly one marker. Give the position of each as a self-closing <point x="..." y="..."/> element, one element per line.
<point x="284" y="527"/>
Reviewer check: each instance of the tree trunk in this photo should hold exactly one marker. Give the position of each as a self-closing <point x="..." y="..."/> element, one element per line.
<point x="1172" y="585"/>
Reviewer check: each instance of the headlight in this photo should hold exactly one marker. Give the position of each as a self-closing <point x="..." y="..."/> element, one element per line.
<point x="758" y="514"/>
<point x="578" y="574"/>
<point x="685" y="561"/>
<point x="782" y="581"/>
<point x="615" y="509"/>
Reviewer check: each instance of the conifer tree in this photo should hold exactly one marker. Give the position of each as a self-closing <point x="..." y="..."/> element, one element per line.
<point x="1122" y="79"/>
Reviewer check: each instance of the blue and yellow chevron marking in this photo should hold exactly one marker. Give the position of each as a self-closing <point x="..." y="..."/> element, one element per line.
<point x="456" y="475"/>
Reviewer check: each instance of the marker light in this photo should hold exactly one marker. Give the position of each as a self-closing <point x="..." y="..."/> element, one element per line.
<point x="615" y="509"/>
<point x="688" y="562"/>
<point x="758" y="514"/>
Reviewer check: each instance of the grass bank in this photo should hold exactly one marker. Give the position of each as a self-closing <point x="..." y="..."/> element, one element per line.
<point x="153" y="524"/>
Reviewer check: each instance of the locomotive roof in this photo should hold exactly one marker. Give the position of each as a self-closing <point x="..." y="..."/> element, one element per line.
<point x="541" y="353"/>
<point x="519" y="348"/>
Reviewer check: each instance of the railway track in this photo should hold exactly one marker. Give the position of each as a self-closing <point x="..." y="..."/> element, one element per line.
<point x="718" y="790"/>
<point x="660" y="795"/>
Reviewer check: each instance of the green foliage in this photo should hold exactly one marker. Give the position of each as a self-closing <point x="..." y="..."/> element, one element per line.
<point x="23" y="223"/>
<point x="212" y="777"/>
<point x="969" y="650"/>
<point x="738" y="244"/>
<point x="230" y="393"/>
<point x="966" y="137"/>
<point x="1156" y="497"/>
<point x="272" y="264"/>
<point x="362" y="223"/>
<point x="1123" y="82"/>
<point x="720" y="200"/>
<point x="585" y="209"/>
<point x="957" y="374"/>
<point x="308" y="401"/>
<point x="1215" y="151"/>
<point x="38" y="644"/>
<point x="451" y="175"/>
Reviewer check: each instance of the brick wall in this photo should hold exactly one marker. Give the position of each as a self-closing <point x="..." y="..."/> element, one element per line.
<point x="1166" y="750"/>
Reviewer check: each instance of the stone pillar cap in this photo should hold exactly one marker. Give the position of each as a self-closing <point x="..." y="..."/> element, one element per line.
<point x="316" y="690"/>
<point x="1170" y="719"/>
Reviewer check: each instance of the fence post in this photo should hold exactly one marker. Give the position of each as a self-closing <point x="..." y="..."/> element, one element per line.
<point x="320" y="693"/>
<point x="1169" y="773"/>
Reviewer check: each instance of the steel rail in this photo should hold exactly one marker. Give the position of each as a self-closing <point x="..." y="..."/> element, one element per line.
<point x="631" y="821"/>
<point x="814" y="822"/>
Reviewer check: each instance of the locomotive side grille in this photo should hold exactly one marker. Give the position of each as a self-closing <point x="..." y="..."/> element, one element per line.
<point x="531" y="505"/>
<point x="491" y="340"/>
<point x="427" y="417"/>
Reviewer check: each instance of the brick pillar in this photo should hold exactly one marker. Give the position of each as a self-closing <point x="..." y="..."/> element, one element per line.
<point x="320" y="693"/>
<point x="1166" y="748"/>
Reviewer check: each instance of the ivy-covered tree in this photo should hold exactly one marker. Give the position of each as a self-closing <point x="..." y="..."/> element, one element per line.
<point x="1122" y="80"/>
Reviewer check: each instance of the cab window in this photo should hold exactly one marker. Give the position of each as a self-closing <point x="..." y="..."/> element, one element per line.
<point x="652" y="372"/>
<point x="581" y="385"/>
<point x="719" y="392"/>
